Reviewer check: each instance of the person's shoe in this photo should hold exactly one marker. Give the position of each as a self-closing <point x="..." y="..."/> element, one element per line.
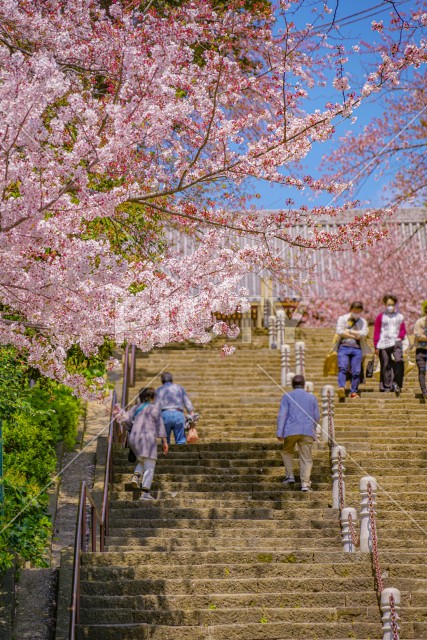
<point x="306" y="487"/>
<point x="424" y="394"/>
<point x="136" y="481"/>
<point x="289" y="480"/>
<point x="341" y="392"/>
<point x="354" y="395"/>
<point x="396" y="387"/>
<point x="147" y="496"/>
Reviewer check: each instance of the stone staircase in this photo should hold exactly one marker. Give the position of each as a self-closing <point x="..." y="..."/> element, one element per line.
<point x="228" y="552"/>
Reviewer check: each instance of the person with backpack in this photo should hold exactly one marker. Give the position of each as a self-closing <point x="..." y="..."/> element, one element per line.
<point x="420" y="334"/>
<point x="389" y="333"/>
<point x="145" y="425"/>
<point x="298" y="424"/>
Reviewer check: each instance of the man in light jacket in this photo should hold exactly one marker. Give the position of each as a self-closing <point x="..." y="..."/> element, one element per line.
<point x="173" y="401"/>
<point x="297" y="424"/>
<point x="352" y="330"/>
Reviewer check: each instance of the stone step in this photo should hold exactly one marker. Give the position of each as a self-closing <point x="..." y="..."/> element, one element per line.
<point x="256" y="631"/>
<point x="220" y="601"/>
<point x="138" y="540"/>
<point x="292" y="528"/>
<point x="301" y="586"/>
<point x="224" y="571"/>
<point x="244" y="616"/>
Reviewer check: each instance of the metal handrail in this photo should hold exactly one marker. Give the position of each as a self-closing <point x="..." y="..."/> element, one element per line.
<point x="85" y="498"/>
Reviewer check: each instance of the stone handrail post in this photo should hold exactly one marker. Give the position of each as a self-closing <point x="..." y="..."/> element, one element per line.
<point x="272" y="340"/>
<point x="365" y="525"/>
<point x="285" y="363"/>
<point x="289" y="378"/>
<point x="338" y="487"/>
<point x="390" y="607"/>
<point x="300" y="358"/>
<point x="309" y="387"/>
<point x="347" y="540"/>
<point x="280" y="328"/>
<point x="328" y="413"/>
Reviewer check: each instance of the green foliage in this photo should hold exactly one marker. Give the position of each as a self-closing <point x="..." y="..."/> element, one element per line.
<point x="93" y="366"/>
<point x="50" y="413"/>
<point x="33" y="420"/>
<point x="132" y="233"/>
<point x="12" y="381"/>
<point x="28" y="536"/>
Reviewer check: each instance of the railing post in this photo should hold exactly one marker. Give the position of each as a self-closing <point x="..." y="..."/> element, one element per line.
<point x="390" y="607"/>
<point x="309" y="387"/>
<point x="272" y="340"/>
<point x="365" y="525"/>
<point x="285" y="363"/>
<point x="280" y="327"/>
<point x="289" y="378"/>
<point x="125" y="385"/>
<point x="328" y="431"/>
<point x="132" y="371"/>
<point x="347" y="540"/>
<point x="93" y="527"/>
<point x="300" y="358"/>
<point x="338" y="455"/>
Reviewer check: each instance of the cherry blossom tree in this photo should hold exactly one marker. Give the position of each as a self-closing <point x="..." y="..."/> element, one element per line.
<point x="395" y="265"/>
<point x="120" y="122"/>
<point x="393" y="145"/>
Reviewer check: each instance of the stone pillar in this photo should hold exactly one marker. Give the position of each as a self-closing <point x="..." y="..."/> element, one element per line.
<point x="386" y="611"/>
<point x="285" y="363"/>
<point x="246" y="327"/>
<point x="347" y="542"/>
<point x="300" y="358"/>
<point x="327" y="390"/>
<point x="280" y="327"/>
<point x="272" y="338"/>
<point x="260" y="313"/>
<point x="309" y="386"/>
<point x="365" y="526"/>
<point x="289" y="378"/>
<point x="336" y="451"/>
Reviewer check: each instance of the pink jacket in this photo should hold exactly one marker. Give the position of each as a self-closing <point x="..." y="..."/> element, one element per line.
<point x="377" y="330"/>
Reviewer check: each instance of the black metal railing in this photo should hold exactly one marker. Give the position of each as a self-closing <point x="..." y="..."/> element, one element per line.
<point x="98" y="523"/>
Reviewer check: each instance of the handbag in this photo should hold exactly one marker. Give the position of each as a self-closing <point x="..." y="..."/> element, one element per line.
<point x="370" y="368"/>
<point x="192" y="435"/>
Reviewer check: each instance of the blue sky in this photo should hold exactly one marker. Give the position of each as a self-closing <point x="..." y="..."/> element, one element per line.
<point x="373" y="190"/>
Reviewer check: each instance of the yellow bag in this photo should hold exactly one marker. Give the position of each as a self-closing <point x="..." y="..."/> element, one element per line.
<point x="330" y="366"/>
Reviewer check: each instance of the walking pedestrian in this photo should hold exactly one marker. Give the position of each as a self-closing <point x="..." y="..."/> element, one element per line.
<point x="351" y="345"/>
<point x="173" y="401"/>
<point x="297" y="424"/>
<point x="420" y="333"/>
<point x="389" y="333"/>
<point x="145" y="424"/>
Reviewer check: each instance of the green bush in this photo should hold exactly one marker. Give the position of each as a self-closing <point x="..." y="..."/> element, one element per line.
<point x="28" y="536"/>
<point x="33" y="420"/>
<point x="30" y="435"/>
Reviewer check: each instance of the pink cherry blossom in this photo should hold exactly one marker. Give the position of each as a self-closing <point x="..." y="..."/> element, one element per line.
<point x="168" y="114"/>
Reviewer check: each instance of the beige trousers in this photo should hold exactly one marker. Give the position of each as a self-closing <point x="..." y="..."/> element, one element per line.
<point x="305" y="444"/>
